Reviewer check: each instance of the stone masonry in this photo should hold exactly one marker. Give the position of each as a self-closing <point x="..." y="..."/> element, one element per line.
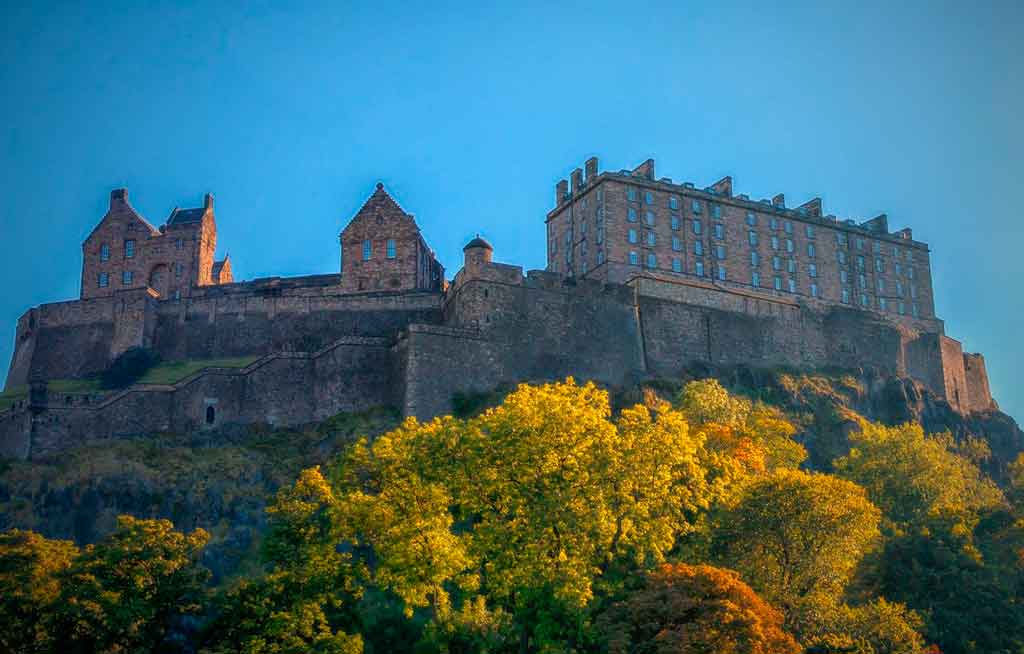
<point x="388" y="330"/>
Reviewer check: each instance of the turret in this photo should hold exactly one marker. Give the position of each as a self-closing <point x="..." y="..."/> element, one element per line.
<point x="477" y="254"/>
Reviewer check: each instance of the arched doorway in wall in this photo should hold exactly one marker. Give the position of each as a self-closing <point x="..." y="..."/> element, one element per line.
<point x="160" y="279"/>
<point x="211" y="415"/>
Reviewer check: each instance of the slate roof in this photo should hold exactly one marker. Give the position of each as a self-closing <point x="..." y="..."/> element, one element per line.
<point x="219" y="266"/>
<point x="184" y="216"/>
<point x="478" y="242"/>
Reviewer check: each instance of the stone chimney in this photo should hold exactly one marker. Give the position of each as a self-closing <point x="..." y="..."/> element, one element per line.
<point x="811" y="208"/>
<point x="779" y="201"/>
<point x="590" y="166"/>
<point x="561" y="190"/>
<point x="645" y="170"/>
<point x="118" y="197"/>
<point x="723" y="186"/>
<point x="577" y="180"/>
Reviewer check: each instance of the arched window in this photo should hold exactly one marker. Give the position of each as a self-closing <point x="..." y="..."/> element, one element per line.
<point x="211" y="415"/>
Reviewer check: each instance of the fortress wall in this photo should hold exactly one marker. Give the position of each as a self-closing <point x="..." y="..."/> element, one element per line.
<point x="979" y="395"/>
<point x="954" y="378"/>
<point x="15" y="425"/>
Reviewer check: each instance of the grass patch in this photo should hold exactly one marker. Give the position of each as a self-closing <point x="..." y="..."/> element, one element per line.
<point x="12" y="395"/>
<point x="85" y="385"/>
<point x="174" y="371"/>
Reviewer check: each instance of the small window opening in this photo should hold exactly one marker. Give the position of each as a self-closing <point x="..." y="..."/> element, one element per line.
<point x="211" y="415"/>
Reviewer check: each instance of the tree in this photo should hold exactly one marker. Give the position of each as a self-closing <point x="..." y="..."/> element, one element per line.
<point x="878" y="627"/>
<point x="526" y="504"/>
<point x="30" y="568"/>
<point x="304" y="603"/>
<point x="129" y="367"/>
<point x="121" y="594"/>
<point x="913" y="478"/>
<point x="693" y="610"/>
<point x="795" y="533"/>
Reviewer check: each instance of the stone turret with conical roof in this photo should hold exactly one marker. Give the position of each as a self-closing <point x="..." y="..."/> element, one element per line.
<point x="382" y="249"/>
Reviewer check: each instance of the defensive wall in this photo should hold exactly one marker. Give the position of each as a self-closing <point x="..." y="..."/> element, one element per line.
<point x="325" y="351"/>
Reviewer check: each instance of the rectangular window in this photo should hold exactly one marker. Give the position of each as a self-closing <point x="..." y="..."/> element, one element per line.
<point x="755" y="279"/>
<point x="791" y="266"/>
<point x="844" y="277"/>
<point x="860" y="243"/>
<point x="778" y="283"/>
<point x="648" y="197"/>
<point x="862" y="281"/>
<point x="811" y="250"/>
<point x="876" y="247"/>
<point x="600" y="256"/>
<point x="104" y="252"/>
<point x="863" y="299"/>
<point x="719" y="231"/>
<point x="910" y="256"/>
<point x="699" y="268"/>
<point x="789" y="245"/>
<point x="673" y="202"/>
<point x="677" y="265"/>
<point x="879" y="265"/>
<point x="126" y="278"/>
<point x="913" y="292"/>
<point x="391" y="245"/>
<point x="809" y="230"/>
<point x="103" y="280"/>
<point x="910" y="272"/>
<point x="881" y="303"/>
<point x="179" y="244"/>
<point x="755" y="258"/>
<point x="897" y="268"/>
<point x="846" y="296"/>
<point x="788" y="227"/>
<point x="129" y="248"/>
<point x="775" y="242"/>
<point x="752" y="237"/>
<point x="719" y="252"/>
<point x="634" y="259"/>
<point x="914" y="310"/>
<point x="695" y="206"/>
<point x="716" y="211"/>
<point x="367" y="250"/>
<point x="792" y="286"/>
<point x="751" y="218"/>
<point x="814" y="290"/>
<point x="631" y="215"/>
<point x="651" y="240"/>
<point x="698" y="248"/>
<point x="774" y="223"/>
<point x="776" y="263"/>
<point x="677" y="244"/>
<point x="902" y="308"/>
<point x="881" y="285"/>
<point x="675" y="222"/>
<point x="721" y="273"/>
<point x="842" y="256"/>
<point x="899" y="288"/>
<point x="841" y="238"/>
<point x="652" y="261"/>
<point x="650" y="217"/>
<point x="632" y="236"/>
<point x="696" y="226"/>
<point x="812" y="269"/>
<point x="179" y="268"/>
<point x="600" y="235"/>
<point x="631" y="194"/>
<point x="860" y="262"/>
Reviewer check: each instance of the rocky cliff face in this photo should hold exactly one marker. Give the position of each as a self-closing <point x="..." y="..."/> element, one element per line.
<point x="221" y="481"/>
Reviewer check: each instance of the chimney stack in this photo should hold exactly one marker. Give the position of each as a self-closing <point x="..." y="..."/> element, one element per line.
<point x="779" y="201"/>
<point x="208" y="201"/>
<point x="723" y="186"/>
<point x="590" y="166"/>
<point x="118" y="196"/>
<point x="577" y="180"/>
<point x="561" y="190"/>
<point x="645" y="170"/>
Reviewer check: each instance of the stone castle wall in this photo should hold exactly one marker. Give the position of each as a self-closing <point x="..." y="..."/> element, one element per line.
<point x="327" y="352"/>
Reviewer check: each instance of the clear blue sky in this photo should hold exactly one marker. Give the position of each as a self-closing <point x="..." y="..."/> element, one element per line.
<point x="470" y="115"/>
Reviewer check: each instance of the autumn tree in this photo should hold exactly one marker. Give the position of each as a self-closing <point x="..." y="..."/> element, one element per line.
<point x="525" y="504"/>
<point x="121" y="594"/>
<point x="305" y="601"/>
<point x="794" y="534"/>
<point x="688" y="609"/>
<point x="30" y="569"/>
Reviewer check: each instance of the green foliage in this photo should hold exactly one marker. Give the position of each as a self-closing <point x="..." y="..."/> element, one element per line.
<point x="913" y="477"/>
<point x="793" y="534"/>
<point x="878" y="627"/>
<point x="174" y="371"/>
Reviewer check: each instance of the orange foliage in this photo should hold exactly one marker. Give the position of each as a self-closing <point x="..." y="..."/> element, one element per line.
<point x="688" y="609"/>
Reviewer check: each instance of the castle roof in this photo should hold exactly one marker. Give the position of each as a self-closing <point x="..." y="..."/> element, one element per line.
<point x="478" y="242"/>
<point x="183" y="216"/>
<point x="379" y="205"/>
<point x="218" y="266"/>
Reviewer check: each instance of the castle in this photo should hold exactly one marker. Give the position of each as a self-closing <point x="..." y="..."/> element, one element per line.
<point x="645" y="276"/>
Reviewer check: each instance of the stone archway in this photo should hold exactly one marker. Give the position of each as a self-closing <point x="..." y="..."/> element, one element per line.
<point x="160" y="279"/>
